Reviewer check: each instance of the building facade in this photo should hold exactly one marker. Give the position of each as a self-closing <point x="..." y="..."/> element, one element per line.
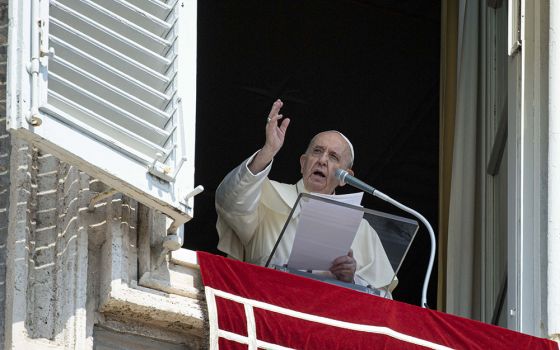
<point x="88" y="263"/>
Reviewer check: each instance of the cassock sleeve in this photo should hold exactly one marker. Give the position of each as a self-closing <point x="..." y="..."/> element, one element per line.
<point x="237" y="202"/>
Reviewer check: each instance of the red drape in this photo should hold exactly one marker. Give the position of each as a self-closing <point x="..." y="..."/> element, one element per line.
<point x="311" y="297"/>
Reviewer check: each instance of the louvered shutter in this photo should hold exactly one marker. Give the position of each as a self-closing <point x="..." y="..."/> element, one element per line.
<point x="110" y="86"/>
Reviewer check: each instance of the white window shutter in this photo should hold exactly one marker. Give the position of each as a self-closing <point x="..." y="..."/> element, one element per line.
<point x="110" y="86"/>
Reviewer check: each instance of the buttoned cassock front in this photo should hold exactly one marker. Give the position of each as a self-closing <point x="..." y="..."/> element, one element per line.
<point x="252" y="211"/>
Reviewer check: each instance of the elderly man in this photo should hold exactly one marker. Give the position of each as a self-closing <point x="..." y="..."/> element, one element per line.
<point x="252" y="209"/>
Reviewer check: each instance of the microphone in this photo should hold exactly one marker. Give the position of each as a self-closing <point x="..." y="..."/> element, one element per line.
<point x="343" y="176"/>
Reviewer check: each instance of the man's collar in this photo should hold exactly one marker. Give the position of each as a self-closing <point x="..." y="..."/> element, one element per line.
<point x="300" y="186"/>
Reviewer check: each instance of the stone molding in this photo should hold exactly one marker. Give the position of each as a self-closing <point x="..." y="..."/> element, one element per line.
<point x="70" y="269"/>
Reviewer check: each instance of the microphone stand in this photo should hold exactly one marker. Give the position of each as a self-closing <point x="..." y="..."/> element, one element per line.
<point x="386" y="198"/>
<point x="343" y="176"/>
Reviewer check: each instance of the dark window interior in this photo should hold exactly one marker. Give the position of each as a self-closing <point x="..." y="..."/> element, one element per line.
<point x="368" y="68"/>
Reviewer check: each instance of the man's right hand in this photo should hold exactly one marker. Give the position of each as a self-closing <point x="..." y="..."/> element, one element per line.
<point x="275" y="135"/>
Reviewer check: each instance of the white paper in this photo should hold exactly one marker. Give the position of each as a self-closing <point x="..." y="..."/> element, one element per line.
<point x="325" y="231"/>
<point x="350" y="198"/>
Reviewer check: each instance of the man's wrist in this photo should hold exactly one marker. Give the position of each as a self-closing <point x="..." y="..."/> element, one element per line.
<point x="261" y="160"/>
<point x="267" y="153"/>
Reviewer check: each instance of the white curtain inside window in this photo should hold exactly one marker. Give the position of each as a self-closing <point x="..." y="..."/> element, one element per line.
<point x="462" y="280"/>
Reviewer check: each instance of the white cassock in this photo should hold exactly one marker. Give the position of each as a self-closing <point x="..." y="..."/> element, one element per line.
<point x="252" y="211"/>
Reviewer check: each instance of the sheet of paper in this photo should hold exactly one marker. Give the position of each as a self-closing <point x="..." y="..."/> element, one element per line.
<point x="325" y="231"/>
<point x="350" y="198"/>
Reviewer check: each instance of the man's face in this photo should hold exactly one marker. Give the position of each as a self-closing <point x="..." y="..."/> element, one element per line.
<point x="327" y="152"/>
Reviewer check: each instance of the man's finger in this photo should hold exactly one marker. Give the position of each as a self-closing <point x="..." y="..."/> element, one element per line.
<point x="341" y="260"/>
<point x="276" y="106"/>
<point x="343" y="267"/>
<point x="284" y="125"/>
<point x="349" y="264"/>
<point x="342" y="272"/>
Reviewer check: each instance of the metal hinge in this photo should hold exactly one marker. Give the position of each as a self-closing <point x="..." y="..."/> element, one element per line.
<point x="515" y="47"/>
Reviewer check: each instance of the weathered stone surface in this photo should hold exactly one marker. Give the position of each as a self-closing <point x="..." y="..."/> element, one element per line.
<point x="4" y="163"/>
<point x="66" y="271"/>
<point x="71" y="269"/>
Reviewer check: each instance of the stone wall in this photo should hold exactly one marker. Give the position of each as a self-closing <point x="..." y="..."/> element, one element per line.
<point x="72" y="265"/>
<point x="46" y="271"/>
<point x="4" y="161"/>
<point x="69" y="272"/>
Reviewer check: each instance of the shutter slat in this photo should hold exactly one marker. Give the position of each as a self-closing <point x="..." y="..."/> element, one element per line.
<point x="137" y="147"/>
<point x="119" y="25"/>
<point x="110" y="74"/>
<point x="110" y="56"/>
<point x="96" y="85"/>
<point x="94" y="103"/>
<point x="153" y="17"/>
<point x="110" y="38"/>
<point x="160" y="9"/>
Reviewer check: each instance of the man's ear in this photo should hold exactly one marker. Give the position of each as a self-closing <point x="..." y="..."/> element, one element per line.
<point x="350" y="172"/>
<point x="301" y="161"/>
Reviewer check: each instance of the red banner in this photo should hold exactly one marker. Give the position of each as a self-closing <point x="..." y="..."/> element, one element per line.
<point x="251" y="307"/>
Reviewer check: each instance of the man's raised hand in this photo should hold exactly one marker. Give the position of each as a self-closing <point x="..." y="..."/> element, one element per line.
<point x="275" y="134"/>
<point x="275" y="131"/>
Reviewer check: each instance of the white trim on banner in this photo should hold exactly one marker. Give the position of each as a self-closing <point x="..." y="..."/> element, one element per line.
<point x="216" y="333"/>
